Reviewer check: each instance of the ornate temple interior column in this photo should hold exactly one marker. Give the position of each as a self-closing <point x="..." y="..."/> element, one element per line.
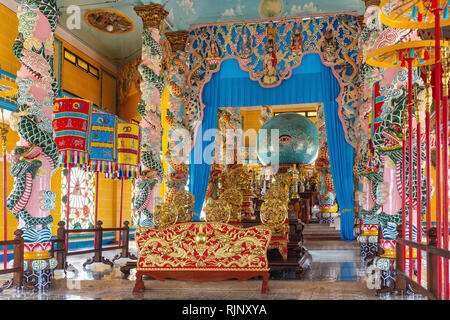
<point x="175" y="74"/>
<point x="36" y="156"/>
<point x="149" y="107"/>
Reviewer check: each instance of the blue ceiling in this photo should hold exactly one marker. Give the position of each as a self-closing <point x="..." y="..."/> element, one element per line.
<point x="184" y="14"/>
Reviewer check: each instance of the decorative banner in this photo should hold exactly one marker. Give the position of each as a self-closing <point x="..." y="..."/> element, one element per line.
<point x="102" y="142"/>
<point x="127" y="150"/>
<point x="71" y="125"/>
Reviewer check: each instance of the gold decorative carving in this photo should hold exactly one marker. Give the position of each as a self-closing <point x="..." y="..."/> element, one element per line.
<point x="239" y="179"/>
<point x="164" y="216"/>
<point x="218" y="211"/>
<point x="234" y="198"/>
<point x="274" y="210"/>
<point x="128" y="74"/>
<point x="151" y="15"/>
<point x="183" y="205"/>
<point x="177" y="39"/>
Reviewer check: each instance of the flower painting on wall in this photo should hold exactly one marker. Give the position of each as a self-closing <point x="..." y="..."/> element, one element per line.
<point x="82" y="198"/>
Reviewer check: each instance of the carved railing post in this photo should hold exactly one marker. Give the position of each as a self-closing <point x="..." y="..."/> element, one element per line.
<point x="152" y="86"/>
<point x="98" y="244"/>
<point x="36" y="156"/>
<point x="18" y="259"/>
<point x="125" y="239"/>
<point x="60" y="246"/>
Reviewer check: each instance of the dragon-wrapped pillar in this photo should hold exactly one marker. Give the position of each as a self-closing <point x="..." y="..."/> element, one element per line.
<point x="175" y="73"/>
<point x="149" y="107"/>
<point x="36" y="157"/>
<point x="379" y="165"/>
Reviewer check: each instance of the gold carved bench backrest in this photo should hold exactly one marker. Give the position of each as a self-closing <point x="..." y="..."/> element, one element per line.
<point x="218" y="211"/>
<point x="183" y="204"/>
<point x="164" y="216"/>
<point x="179" y="210"/>
<point x="234" y="198"/>
<point x="274" y="210"/>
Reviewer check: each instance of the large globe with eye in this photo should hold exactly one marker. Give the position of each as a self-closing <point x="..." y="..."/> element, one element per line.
<point x="287" y="138"/>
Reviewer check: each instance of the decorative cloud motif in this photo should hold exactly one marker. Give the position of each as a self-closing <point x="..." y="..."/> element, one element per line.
<point x="229" y="13"/>
<point x="188" y="5"/>
<point x="232" y="12"/>
<point x="306" y="8"/>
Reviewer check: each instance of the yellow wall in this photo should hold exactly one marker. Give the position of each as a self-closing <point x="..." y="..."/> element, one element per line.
<point x="250" y="121"/>
<point x="8" y="61"/>
<point x="80" y="83"/>
<point x="11" y="141"/>
<point x="100" y="91"/>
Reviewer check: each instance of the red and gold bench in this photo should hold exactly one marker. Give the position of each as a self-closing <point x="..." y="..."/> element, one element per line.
<point x="202" y="251"/>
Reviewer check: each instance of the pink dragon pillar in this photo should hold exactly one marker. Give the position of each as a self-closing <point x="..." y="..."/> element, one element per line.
<point x="152" y="86"/>
<point x="36" y="156"/>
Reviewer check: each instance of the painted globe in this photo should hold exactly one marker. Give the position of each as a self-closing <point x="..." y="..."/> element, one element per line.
<point x="297" y="140"/>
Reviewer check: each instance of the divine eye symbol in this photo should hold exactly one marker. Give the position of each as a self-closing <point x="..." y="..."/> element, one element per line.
<point x="285" y="139"/>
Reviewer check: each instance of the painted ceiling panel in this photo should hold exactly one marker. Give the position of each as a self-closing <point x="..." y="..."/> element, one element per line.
<point x="184" y="14"/>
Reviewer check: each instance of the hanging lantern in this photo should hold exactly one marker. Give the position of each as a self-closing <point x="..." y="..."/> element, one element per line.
<point x="71" y="125"/>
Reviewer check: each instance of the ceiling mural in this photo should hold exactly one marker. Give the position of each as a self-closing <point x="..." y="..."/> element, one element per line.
<point x="108" y="21"/>
<point x="120" y="47"/>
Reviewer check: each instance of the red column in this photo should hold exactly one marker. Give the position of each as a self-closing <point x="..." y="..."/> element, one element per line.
<point x="5" y="212"/>
<point x="121" y="209"/>
<point x="445" y="186"/>
<point x="410" y="154"/>
<point x="428" y="148"/>
<point x="96" y="208"/>
<point x="404" y="191"/>
<point x="437" y="99"/>
<point x="419" y="196"/>
<point x="69" y="167"/>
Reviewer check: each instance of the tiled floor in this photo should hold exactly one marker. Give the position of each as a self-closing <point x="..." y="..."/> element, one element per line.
<point x="336" y="273"/>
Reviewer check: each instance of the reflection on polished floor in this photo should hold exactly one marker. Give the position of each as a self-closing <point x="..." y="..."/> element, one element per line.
<point x="336" y="273"/>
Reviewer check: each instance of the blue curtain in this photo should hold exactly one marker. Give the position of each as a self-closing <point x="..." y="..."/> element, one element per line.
<point x="341" y="163"/>
<point x="310" y="82"/>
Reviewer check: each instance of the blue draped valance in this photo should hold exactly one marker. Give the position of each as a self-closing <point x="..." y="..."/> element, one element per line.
<point x="310" y="82"/>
